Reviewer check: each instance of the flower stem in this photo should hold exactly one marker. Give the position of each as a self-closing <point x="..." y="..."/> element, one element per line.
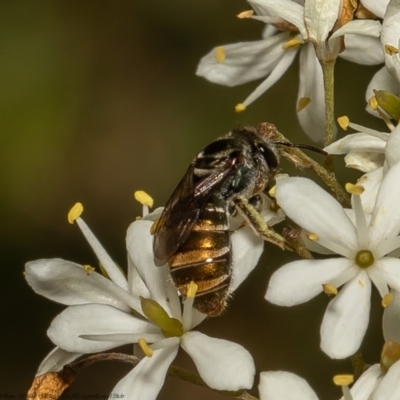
<point x="328" y="68"/>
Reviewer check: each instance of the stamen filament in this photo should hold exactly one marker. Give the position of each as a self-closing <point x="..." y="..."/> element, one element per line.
<point x="187" y="314"/>
<point x="361" y="223"/>
<point x="113" y="271"/>
<point x="372" y="132"/>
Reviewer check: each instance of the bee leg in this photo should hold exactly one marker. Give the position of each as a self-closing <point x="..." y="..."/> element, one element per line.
<point x="257" y="202"/>
<point x="257" y="223"/>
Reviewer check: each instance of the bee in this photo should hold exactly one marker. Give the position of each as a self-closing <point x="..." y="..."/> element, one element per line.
<point x="193" y="232"/>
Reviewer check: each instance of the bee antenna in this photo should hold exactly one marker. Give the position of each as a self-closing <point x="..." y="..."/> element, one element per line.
<point x="303" y="146"/>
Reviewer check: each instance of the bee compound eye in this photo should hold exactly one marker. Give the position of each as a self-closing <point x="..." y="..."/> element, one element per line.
<point x="269" y="156"/>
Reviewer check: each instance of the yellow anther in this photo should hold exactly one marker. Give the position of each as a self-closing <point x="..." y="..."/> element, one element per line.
<point x="354" y="189"/>
<point x="303" y="103"/>
<point x="387" y="300"/>
<point x="343" y="380"/>
<point x="220" y="54"/>
<point x="389" y="49"/>
<point x="191" y="290"/>
<point x="272" y="191"/>
<point x="147" y="350"/>
<point x="373" y="103"/>
<point x="88" y="269"/>
<point x="245" y="14"/>
<point x="240" y="107"/>
<point x="343" y="122"/>
<point x="75" y="212"/>
<point x="143" y="198"/>
<point x="313" y="236"/>
<point x="330" y="289"/>
<point x="291" y="44"/>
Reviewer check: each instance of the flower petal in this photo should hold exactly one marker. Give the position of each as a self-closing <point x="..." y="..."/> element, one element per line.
<point x="147" y="378"/>
<point x="389" y="388"/>
<point x="392" y="148"/>
<point x="357" y="142"/>
<point x="75" y="321"/>
<point x="377" y="7"/>
<point x="364" y="162"/>
<point x="288" y="10"/>
<point x="135" y="282"/>
<point x="246" y="251"/>
<point x="391" y="271"/>
<point x="222" y="365"/>
<point x="365" y="50"/>
<point x="67" y="283"/>
<point x="320" y="17"/>
<point x="139" y="243"/>
<point x="385" y="222"/>
<point x="311" y="86"/>
<point x="302" y="280"/>
<point x="371" y="181"/>
<point x="279" y="385"/>
<point x="362" y="27"/>
<point x="244" y="61"/>
<point x="390" y="35"/>
<point x="367" y="383"/>
<point x="280" y="68"/>
<point x="346" y="318"/>
<point x="391" y="319"/>
<point x="317" y="212"/>
<point x="56" y="360"/>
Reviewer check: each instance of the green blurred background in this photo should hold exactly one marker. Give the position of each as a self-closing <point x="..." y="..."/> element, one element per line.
<point x="99" y="99"/>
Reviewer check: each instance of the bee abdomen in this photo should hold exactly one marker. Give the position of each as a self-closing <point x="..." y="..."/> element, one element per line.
<point x="205" y="258"/>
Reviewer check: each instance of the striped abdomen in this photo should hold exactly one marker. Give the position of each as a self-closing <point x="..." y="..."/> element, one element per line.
<point x="205" y="258"/>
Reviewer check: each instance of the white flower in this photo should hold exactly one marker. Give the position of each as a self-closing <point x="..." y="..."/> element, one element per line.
<point x="388" y="77"/>
<point x="364" y="247"/>
<point x="372" y="385"/>
<point x="369" y="151"/>
<point x="102" y="314"/>
<point x="364" y="149"/>
<point x="317" y="36"/>
<point x="279" y="385"/>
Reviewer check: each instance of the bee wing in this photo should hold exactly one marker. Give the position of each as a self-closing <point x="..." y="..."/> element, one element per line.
<point x="182" y="211"/>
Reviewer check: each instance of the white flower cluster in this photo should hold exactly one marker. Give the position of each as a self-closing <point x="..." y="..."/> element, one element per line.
<point x="361" y="245"/>
<point x="315" y="29"/>
<point x="105" y="313"/>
